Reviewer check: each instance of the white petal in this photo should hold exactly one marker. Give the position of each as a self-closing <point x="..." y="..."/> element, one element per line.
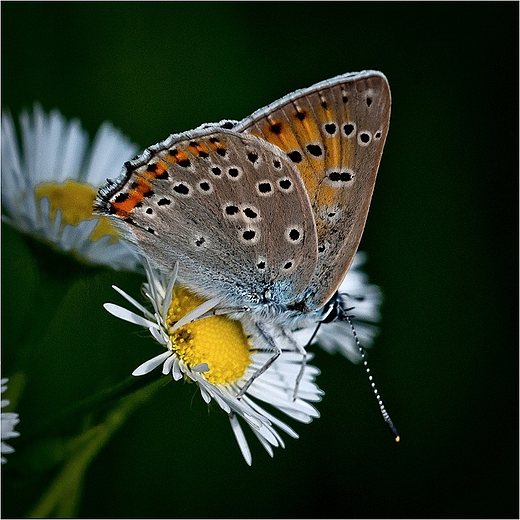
<point x="168" y="365"/>
<point x="149" y="365"/>
<point x="205" y="395"/>
<point x="202" y="367"/>
<point x="196" y="313"/>
<point x="125" y="314"/>
<point x="131" y="300"/>
<point x="264" y="443"/>
<point x="241" y="439"/>
<point x="176" y="372"/>
<point x="160" y="336"/>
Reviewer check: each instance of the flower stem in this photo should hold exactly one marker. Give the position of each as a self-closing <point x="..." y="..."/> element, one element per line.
<point x="62" y="497"/>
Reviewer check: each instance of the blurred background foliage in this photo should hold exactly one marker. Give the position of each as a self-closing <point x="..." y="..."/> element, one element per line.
<point x="442" y="241"/>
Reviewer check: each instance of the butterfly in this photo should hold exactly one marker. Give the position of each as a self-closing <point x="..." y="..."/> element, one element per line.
<point x="264" y="215"/>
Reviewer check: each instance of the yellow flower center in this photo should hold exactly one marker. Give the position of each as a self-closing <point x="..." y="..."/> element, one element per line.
<point x="217" y="341"/>
<point x="75" y="201"/>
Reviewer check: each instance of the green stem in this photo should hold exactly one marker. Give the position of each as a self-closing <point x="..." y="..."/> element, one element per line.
<point x="62" y="498"/>
<point x="89" y="405"/>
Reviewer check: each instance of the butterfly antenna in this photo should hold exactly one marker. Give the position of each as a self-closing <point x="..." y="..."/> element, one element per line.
<point x="384" y="413"/>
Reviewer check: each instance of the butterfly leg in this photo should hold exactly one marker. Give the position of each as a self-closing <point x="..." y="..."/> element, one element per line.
<point x="274" y="347"/>
<point x="303" y="352"/>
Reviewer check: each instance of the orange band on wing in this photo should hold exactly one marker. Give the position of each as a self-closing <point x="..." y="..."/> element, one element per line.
<point x="198" y="149"/>
<point x="177" y="155"/>
<point x="124" y="203"/>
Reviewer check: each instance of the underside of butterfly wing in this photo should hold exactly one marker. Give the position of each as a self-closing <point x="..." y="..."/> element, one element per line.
<point x="230" y="208"/>
<point x="334" y="133"/>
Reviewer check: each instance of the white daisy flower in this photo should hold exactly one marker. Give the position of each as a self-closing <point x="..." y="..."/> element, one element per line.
<point x="365" y="299"/>
<point x="9" y="421"/>
<point x="49" y="184"/>
<point x="220" y="354"/>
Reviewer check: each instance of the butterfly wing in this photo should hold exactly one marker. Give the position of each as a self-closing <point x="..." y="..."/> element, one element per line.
<point x="230" y="208"/>
<point x="334" y="133"/>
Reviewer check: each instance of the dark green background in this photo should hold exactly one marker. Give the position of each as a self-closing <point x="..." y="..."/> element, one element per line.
<point x="442" y="239"/>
